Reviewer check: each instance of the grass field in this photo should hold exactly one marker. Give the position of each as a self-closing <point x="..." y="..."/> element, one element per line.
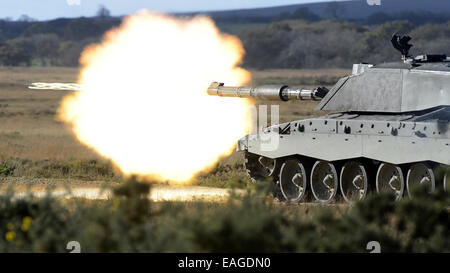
<point x="35" y="145"/>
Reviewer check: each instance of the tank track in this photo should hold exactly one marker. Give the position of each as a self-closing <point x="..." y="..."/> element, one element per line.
<point x="349" y="180"/>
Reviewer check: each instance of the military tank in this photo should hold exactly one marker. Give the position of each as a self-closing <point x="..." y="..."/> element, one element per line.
<point x="387" y="131"/>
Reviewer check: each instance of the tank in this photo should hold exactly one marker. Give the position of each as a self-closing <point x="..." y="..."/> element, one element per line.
<point x="387" y="131"/>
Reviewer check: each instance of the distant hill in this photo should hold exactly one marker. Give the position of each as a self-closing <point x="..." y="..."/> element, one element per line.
<point x="356" y="10"/>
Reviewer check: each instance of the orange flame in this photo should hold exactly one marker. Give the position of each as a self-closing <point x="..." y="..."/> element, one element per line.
<point x="144" y="103"/>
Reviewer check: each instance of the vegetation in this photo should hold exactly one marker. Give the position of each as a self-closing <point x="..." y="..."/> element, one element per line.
<point x="298" y="39"/>
<point x="58" y="42"/>
<point x="86" y="170"/>
<point x="416" y="11"/>
<point x="335" y="43"/>
<point x="222" y="176"/>
<point x="225" y="176"/>
<point x="130" y="222"/>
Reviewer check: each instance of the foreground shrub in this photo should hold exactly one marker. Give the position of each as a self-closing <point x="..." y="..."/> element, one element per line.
<point x="130" y="222"/>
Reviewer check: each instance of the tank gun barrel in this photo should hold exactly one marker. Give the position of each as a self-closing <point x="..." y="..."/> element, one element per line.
<point x="267" y="92"/>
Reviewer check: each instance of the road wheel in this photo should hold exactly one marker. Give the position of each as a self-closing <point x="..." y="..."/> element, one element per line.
<point x="390" y="179"/>
<point x="293" y="180"/>
<point x="354" y="181"/>
<point x="324" y="181"/>
<point x="420" y="174"/>
<point x="259" y="167"/>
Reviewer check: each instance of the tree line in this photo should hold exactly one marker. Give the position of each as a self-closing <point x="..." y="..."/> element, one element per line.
<point x="336" y="43"/>
<point x="57" y="42"/>
<point x="296" y="40"/>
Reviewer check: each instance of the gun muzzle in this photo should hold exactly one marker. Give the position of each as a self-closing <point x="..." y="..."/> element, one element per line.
<point x="267" y="92"/>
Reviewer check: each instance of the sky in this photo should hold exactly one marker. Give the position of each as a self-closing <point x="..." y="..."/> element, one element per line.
<point x="50" y="9"/>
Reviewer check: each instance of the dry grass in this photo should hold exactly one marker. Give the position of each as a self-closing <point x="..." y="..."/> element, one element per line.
<point x="29" y="129"/>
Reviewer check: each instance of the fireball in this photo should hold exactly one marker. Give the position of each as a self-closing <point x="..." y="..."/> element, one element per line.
<point x="143" y="102"/>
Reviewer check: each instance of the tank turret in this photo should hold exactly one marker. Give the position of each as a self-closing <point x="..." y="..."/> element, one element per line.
<point x="388" y="130"/>
<point x="399" y="87"/>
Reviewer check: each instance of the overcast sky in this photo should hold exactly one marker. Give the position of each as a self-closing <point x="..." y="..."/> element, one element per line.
<point x="50" y="9"/>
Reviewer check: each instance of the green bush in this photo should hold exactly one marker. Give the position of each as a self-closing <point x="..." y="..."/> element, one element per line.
<point x="6" y="168"/>
<point x="225" y="176"/>
<point x="130" y="222"/>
